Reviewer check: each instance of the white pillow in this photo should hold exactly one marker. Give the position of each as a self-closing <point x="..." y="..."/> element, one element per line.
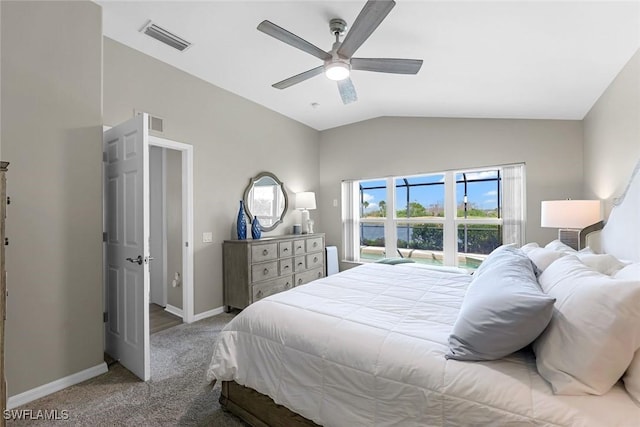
<point x="631" y="272"/>
<point x="557" y="245"/>
<point x="543" y="257"/>
<point x="603" y="263"/>
<point x="529" y="246"/>
<point x="594" y="332"/>
<point x="632" y="377"/>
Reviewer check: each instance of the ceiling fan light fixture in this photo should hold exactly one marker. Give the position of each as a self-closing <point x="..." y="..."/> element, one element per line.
<point x="337" y="70"/>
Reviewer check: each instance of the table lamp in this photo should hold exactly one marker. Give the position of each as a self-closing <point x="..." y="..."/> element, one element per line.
<point x="305" y="201"/>
<point x="569" y="217"/>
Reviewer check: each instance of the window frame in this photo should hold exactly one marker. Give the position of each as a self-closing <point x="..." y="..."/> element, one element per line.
<point x="450" y="222"/>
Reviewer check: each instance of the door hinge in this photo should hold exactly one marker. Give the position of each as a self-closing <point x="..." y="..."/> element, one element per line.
<point x="105" y="317"/>
<point x="104" y="156"/>
<point x="8" y="200"/>
<point x="186" y="244"/>
<point x="104" y="236"/>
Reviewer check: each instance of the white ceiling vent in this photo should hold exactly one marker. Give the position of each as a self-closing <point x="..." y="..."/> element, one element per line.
<point x="166" y="37"/>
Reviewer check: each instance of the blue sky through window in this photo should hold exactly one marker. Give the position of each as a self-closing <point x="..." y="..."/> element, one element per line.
<point x="481" y="195"/>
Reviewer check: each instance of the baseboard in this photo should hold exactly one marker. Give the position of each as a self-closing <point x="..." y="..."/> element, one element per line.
<point x="173" y="310"/>
<point x="209" y="313"/>
<point x="57" y="385"/>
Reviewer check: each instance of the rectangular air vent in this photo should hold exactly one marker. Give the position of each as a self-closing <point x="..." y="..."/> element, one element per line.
<point x="156" y="124"/>
<point x="166" y="37"/>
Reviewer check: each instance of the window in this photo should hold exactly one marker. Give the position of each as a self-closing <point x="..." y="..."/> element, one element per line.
<point x="446" y="218"/>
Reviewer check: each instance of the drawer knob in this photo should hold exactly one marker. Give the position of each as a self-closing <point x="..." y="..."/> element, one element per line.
<point x="285" y="250"/>
<point x="315" y="259"/>
<point x="265" y="271"/>
<point x="300" y="281"/>
<point x="286" y="266"/>
<point x="265" y="252"/>
<point x="259" y="294"/>
<point x="319" y="274"/>
<point x="298" y="247"/>
<point x="287" y="285"/>
<point x="299" y="264"/>
<point x="315" y="244"/>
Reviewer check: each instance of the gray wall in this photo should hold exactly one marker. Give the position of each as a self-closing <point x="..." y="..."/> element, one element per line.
<point x="233" y="139"/>
<point x="174" y="225"/>
<point x="52" y="135"/>
<point x="612" y="136"/>
<point x="552" y="151"/>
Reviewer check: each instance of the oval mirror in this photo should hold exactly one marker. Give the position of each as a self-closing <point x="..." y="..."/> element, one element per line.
<point x="266" y="199"/>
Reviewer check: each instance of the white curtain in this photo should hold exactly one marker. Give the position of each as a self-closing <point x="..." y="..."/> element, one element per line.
<point x="351" y="220"/>
<point x="513" y="204"/>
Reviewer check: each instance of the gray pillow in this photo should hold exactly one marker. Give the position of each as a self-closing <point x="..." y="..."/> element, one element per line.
<point x="503" y="311"/>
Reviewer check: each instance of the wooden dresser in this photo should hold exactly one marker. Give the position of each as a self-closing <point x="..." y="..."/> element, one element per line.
<point x="255" y="269"/>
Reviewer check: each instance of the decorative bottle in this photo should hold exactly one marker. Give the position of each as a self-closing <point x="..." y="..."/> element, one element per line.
<point x="241" y="224"/>
<point x="256" y="230"/>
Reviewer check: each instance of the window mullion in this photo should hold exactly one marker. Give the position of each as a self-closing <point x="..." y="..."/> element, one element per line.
<point x="390" y="229"/>
<point x="450" y="232"/>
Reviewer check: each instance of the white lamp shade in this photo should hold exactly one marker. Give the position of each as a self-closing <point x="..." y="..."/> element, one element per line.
<point x="306" y="200"/>
<point x="575" y="214"/>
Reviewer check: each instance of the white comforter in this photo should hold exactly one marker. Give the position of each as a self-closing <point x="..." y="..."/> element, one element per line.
<point x="366" y="348"/>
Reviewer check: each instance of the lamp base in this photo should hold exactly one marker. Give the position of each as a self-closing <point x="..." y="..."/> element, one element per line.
<point x="570" y="237"/>
<point x="304" y="214"/>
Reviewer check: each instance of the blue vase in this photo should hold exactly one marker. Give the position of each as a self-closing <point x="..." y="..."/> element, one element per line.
<point x="241" y="224"/>
<point x="256" y="230"/>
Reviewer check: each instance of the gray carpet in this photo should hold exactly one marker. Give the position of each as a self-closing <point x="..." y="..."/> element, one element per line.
<point x="176" y="395"/>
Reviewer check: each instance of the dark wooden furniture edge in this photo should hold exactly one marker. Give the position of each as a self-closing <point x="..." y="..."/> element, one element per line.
<point x="258" y="410"/>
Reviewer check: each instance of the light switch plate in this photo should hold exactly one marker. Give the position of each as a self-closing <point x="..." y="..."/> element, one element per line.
<point x="207" y="237"/>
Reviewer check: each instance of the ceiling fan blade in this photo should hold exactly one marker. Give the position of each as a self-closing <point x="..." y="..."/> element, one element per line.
<point x="347" y="91"/>
<point x="371" y="15"/>
<point x="299" y="78"/>
<point x="387" y="65"/>
<point x="291" y="39"/>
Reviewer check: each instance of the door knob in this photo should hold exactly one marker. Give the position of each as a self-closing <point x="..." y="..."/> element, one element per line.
<point x="138" y="260"/>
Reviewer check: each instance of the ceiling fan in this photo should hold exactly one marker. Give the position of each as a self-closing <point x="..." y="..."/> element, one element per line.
<point x="339" y="61"/>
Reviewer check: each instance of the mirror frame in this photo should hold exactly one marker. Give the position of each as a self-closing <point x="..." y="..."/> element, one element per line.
<point x="245" y="197"/>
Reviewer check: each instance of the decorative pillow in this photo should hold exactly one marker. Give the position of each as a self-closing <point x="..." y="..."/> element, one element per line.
<point x="557" y="245"/>
<point x="493" y="257"/>
<point x="503" y="311"/>
<point x="594" y="332"/>
<point x="603" y="263"/>
<point x="543" y="257"/>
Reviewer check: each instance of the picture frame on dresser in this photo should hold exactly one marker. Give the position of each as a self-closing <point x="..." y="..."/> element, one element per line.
<point x="256" y="269"/>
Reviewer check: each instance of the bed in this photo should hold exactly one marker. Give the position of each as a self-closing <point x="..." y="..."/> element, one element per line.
<point x="367" y="347"/>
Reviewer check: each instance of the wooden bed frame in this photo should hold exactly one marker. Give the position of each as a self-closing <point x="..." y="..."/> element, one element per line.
<point x="257" y="409"/>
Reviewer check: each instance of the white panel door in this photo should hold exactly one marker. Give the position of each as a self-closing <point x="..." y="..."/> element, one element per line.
<point x="126" y="150"/>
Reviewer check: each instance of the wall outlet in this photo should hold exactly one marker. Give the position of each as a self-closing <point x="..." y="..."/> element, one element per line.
<point x="207" y="237"/>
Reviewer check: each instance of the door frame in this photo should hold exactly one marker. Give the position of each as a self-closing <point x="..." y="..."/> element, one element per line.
<point x="187" y="227"/>
<point x="187" y="221"/>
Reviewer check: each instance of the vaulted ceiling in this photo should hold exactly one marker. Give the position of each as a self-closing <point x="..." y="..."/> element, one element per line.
<point x="501" y="59"/>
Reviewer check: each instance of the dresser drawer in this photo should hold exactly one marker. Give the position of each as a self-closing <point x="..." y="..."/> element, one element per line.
<point x="300" y="263"/>
<point x="271" y="287"/>
<point x="285" y="249"/>
<point x="315" y="260"/>
<point x="264" y="252"/>
<point x="286" y="266"/>
<point x="308" y="276"/>
<point x="264" y="271"/>
<point x="313" y="245"/>
<point x="298" y="247"/>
